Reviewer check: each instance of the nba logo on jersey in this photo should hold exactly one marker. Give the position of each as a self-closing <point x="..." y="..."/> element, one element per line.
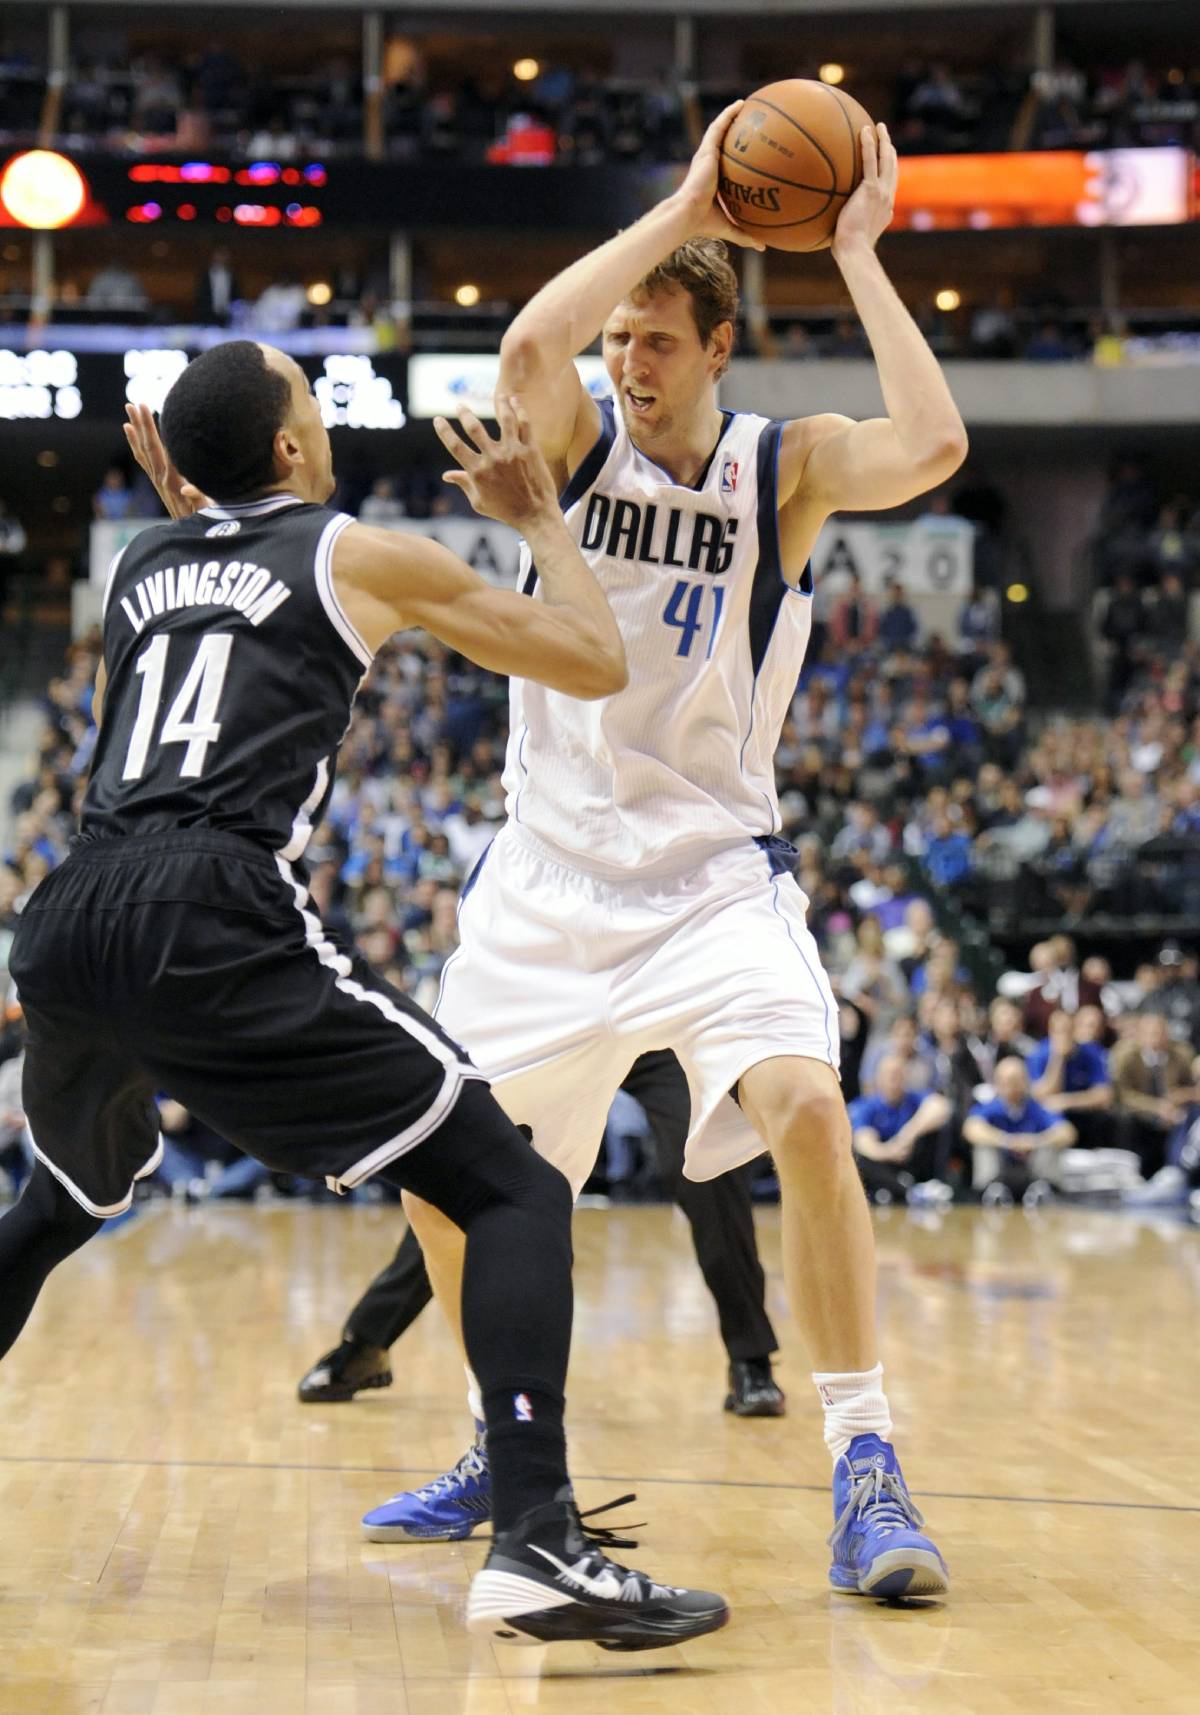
<point x="522" y="1408"/>
<point x="729" y="472"/>
<point x="230" y="527"/>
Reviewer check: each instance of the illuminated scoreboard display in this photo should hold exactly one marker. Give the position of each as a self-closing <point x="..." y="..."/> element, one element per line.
<point x="262" y="194"/>
<point x="354" y="391"/>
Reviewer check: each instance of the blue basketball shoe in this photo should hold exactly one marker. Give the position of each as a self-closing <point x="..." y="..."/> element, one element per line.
<point x="877" y="1541"/>
<point x="446" y="1510"/>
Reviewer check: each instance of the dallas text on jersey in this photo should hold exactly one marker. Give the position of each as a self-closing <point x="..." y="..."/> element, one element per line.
<point x="240" y="584"/>
<point x="634" y="532"/>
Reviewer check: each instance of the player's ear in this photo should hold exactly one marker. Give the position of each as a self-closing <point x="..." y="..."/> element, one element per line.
<point x="720" y="345"/>
<point x="288" y="451"/>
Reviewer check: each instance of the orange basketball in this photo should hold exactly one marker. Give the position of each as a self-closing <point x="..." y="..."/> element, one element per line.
<point x="789" y="161"/>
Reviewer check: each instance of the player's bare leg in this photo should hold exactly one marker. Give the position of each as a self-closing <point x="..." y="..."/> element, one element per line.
<point x="445" y="1248"/>
<point x="796" y="1106"/>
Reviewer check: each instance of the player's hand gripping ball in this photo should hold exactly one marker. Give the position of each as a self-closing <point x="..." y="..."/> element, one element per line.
<point x="791" y="160"/>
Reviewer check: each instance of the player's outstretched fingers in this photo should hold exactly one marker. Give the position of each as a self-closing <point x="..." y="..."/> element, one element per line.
<point x="467" y="455"/>
<point x="474" y="428"/>
<point x="506" y="419"/>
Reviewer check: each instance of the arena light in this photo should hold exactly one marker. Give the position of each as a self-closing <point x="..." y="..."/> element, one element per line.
<point x="466" y="295"/>
<point x="1017" y="593"/>
<point x="948" y="299"/>
<point x="832" y="73"/>
<point x="42" y="190"/>
<point x="525" y="70"/>
<point x="319" y="293"/>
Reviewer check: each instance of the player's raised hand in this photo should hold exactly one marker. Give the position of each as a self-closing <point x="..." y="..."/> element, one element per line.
<point x="507" y="479"/>
<point x="180" y="498"/>
<point x="700" y="191"/>
<point x="868" y="213"/>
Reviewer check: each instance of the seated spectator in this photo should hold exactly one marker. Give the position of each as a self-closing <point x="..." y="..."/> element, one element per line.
<point x="947" y="856"/>
<point x="1061" y="986"/>
<point x="1176" y="994"/>
<point x="966" y="734"/>
<point x="12" y="537"/>
<point x="217" y="290"/>
<point x="280" y="307"/>
<point x="853" y="622"/>
<point x="1154" y="1085"/>
<point x="911" y="943"/>
<point x="115" y="287"/>
<point x="956" y="1069"/>
<point x="862" y="836"/>
<point x="1173" y="549"/>
<point x="1050" y="345"/>
<point x="899" y="1139"/>
<point x="1069" y="1075"/>
<point x="872" y="980"/>
<point x="1005" y="1038"/>
<point x="1135" y="816"/>
<point x="901" y="1043"/>
<point x="383" y="505"/>
<point x="1168" y="610"/>
<point x="1014" y="1140"/>
<point x="926" y="732"/>
<point x="846" y="340"/>
<point x="899" y="627"/>
<point x="114" y="498"/>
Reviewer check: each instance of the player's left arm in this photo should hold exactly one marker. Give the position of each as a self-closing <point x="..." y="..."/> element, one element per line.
<point x="836" y="463"/>
<point x="98" y="690"/>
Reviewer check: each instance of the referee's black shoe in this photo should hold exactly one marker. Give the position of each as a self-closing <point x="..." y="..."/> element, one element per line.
<point x="545" y="1582"/>
<point x="753" y="1390"/>
<point x="345" y="1371"/>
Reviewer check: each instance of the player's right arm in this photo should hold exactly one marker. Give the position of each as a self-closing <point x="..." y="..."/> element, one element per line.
<point x="538" y="351"/>
<point x="389" y="582"/>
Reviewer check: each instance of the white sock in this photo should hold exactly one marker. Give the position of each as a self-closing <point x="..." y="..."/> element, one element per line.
<point x="474" y="1397"/>
<point x="855" y="1404"/>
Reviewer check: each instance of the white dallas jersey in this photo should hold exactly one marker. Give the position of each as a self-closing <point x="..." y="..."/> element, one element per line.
<point x="681" y="762"/>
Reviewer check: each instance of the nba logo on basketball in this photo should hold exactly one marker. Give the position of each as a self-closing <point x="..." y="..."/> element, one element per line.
<point x="729" y="472"/>
<point x="523" y="1408"/>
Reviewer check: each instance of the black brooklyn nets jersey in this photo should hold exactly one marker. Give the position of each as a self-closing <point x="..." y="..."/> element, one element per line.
<point x="231" y="673"/>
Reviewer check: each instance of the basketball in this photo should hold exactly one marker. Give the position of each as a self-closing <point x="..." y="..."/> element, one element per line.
<point x="789" y="161"/>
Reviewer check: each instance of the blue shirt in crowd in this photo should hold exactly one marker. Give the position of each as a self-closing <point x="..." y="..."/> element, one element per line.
<point x="1086" y="1066"/>
<point x="1031" y="1117"/>
<point x="948" y="858"/>
<point x="884" y="1119"/>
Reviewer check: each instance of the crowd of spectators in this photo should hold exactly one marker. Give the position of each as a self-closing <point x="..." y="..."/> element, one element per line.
<point x="1144" y="565"/>
<point x="227" y="98"/>
<point x="917" y="787"/>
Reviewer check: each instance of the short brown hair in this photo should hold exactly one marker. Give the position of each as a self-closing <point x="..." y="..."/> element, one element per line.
<point x="702" y="269"/>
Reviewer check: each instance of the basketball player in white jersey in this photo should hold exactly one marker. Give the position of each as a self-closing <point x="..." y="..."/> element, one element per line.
<point x="637" y="898"/>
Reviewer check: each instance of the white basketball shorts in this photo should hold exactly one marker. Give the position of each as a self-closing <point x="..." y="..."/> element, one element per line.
<point x="562" y="980"/>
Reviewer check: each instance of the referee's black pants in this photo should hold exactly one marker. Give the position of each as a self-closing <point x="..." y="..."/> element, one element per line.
<point x="719" y="1212"/>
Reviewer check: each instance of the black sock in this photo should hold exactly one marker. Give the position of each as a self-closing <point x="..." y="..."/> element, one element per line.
<point x="527" y="1451"/>
<point x="42" y="1228"/>
<point x="515" y="1210"/>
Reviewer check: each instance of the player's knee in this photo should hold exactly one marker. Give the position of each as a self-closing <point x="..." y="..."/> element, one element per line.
<point x="548" y="1190"/>
<point x="807" y="1116"/>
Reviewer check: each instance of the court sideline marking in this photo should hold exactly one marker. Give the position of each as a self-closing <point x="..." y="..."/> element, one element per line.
<point x="598" y="1477"/>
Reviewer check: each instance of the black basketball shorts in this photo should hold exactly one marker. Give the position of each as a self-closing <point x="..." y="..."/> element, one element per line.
<point x="192" y="965"/>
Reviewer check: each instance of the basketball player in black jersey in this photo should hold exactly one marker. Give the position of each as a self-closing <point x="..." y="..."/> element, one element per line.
<point x="175" y="948"/>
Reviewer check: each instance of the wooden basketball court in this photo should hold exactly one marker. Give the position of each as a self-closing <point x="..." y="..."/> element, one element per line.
<point x="180" y="1537"/>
